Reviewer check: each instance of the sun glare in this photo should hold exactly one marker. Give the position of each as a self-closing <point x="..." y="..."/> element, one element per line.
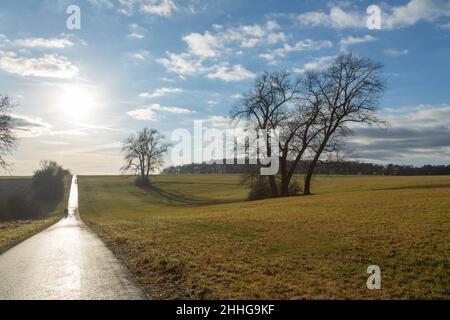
<point x="78" y="101"/>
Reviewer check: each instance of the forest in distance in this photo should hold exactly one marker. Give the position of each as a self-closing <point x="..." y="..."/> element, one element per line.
<point x="326" y="167"/>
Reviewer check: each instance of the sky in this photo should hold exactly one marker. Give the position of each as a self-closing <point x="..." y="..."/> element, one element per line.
<point x="165" y="63"/>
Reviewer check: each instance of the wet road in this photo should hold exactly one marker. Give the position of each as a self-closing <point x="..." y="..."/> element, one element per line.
<point x="66" y="261"/>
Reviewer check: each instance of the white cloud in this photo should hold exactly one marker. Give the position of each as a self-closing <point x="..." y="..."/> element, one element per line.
<point x="150" y="112"/>
<point x="204" y="46"/>
<point x="160" y="92"/>
<point x="143" y="114"/>
<point x="4" y="40"/>
<point x="307" y="44"/>
<point x="137" y="33"/>
<point x="217" y="121"/>
<point x="415" y="11"/>
<point x="62" y="42"/>
<point x="336" y="18"/>
<point x="212" y="103"/>
<point x="141" y="55"/>
<point x="222" y="40"/>
<point x="54" y="43"/>
<point x="396" y="52"/>
<point x="208" y="52"/>
<point x="136" y="36"/>
<point x="317" y="64"/>
<point x="423" y="116"/>
<point x="102" y="3"/>
<point x="163" y="8"/>
<point x="249" y="36"/>
<point x="48" y="65"/>
<point x="351" y="40"/>
<point x="393" y="17"/>
<point x="126" y="7"/>
<point x="182" y="64"/>
<point x="234" y="73"/>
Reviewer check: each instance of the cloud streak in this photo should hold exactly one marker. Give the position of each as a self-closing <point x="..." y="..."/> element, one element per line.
<point x="150" y="112"/>
<point x="46" y="66"/>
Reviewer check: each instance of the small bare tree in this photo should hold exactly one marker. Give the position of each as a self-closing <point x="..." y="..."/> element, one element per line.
<point x="7" y="138"/>
<point x="143" y="153"/>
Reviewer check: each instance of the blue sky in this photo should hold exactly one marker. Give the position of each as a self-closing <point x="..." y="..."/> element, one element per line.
<point x="165" y="63"/>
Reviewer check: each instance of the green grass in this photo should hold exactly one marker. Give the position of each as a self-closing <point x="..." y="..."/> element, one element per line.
<point x="14" y="232"/>
<point x="196" y="237"/>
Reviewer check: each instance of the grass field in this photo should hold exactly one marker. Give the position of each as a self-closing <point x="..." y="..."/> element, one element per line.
<point x="14" y="232"/>
<point x="10" y="185"/>
<point x="196" y="237"/>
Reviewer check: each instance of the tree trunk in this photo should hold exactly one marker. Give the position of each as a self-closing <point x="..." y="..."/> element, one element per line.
<point x="273" y="186"/>
<point x="307" y="188"/>
<point x="285" y="178"/>
<point x="309" y="174"/>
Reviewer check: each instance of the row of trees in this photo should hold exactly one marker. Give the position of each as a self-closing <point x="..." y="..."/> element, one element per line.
<point x="324" y="167"/>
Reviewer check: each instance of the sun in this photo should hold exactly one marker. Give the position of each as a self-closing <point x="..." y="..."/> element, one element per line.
<point x="78" y="101"/>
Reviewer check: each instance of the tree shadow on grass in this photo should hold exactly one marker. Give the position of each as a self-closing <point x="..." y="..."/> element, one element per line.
<point x="418" y="186"/>
<point x="174" y="198"/>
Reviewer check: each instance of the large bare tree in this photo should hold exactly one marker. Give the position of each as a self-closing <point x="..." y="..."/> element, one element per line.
<point x="348" y="91"/>
<point x="7" y="138"/>
<point x="312" y="113"/>
<point x="266" y="107"/>
<point x="143" y="153"/>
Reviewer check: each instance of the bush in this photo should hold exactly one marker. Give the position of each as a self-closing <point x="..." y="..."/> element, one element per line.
<point x="260" y="187"/>
<point x="294" y="188"/>
<point x="48" y="182"/>
<point x="37" y="200"/>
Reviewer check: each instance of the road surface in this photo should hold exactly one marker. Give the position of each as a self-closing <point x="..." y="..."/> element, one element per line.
<point x="66" y="261"/>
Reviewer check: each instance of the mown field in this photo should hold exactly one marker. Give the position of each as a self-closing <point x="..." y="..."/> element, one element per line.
<point x="196" y="236"/>
<point x="14" y="232"/>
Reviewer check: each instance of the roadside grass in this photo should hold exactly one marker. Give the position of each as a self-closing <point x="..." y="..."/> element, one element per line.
<point x="14" y="232"/>
<point x="196" y="237"/>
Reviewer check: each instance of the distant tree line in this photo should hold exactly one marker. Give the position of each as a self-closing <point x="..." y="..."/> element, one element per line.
<point x="38" y="198"/>
<point x="327" y="167"/>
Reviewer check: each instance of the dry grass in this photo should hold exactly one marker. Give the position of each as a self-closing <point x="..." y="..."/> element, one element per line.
<point x="195" y="237"/>
<point x="12" y="233"/>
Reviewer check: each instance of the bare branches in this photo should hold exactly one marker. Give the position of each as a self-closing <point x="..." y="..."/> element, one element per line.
<point x="348" y="91"/>
<point x="143" y="153"/>
<point x="7" y="138"/>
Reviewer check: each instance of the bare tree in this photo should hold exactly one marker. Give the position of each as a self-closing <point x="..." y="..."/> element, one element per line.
<point x="266" y="107"/>
<point x="7" y="138"/>
<point x="348" y="91"/>
<point x="143" y="153"/>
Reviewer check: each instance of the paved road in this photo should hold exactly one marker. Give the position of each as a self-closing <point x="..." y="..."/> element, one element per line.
<point x="66" y="261"/>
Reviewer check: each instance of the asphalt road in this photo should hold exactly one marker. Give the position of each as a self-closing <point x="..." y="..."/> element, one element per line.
<point x="66" y="261"/>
